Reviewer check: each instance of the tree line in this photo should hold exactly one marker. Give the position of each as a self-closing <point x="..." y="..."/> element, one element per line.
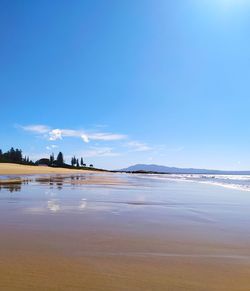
<point x="75" y="162"/>
<point x="59" y="161"/>
<point x="14" y="156"/>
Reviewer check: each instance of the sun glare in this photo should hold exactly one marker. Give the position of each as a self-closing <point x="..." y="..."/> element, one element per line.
<point x="225" y="8"/>
<point x="232" y="3"/>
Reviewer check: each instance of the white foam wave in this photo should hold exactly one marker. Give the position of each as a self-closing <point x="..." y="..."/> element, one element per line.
<point x="237" y="182"/>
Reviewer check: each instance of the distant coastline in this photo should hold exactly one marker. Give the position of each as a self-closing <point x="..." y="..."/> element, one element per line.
<point x="159" y="169"/>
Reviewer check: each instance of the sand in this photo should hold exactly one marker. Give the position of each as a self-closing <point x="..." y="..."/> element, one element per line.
<point x="14" y="174"/>
<point x="57" y="260"/>
<point x="59" y="234"/>
<point x="16" y="169"/>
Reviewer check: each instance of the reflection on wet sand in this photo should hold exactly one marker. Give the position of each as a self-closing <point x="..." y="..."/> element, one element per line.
<point x="10" y="182"/>
<point x="64" y="233"/>
<point x="53" y="205"/>
<point x="94" y="179"/>
<point x="11" y="187"/>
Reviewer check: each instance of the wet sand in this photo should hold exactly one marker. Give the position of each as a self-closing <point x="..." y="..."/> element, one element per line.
<point x="133" y="236"/>
<point x="41" y="260"/>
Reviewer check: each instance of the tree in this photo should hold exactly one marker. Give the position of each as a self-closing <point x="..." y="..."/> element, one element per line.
<point x="77" y="163"/>
<point x="51" y="159"/>
<point x="12" y="154"/>
<point x="91" y="166"/>
<point x="82" y="162"/>
<point x="59" y="159"/>
<point x="73" y="161"/>
<point x="18" y="157"/>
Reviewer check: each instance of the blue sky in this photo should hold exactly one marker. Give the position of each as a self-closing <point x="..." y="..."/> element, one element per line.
<point x="125" y="82"/>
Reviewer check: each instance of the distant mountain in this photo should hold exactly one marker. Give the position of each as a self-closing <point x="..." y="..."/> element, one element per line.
<point x="173" y="170"/>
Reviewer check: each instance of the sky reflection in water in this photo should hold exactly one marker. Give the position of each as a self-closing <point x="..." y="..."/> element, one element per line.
<point x="60" y="194"/>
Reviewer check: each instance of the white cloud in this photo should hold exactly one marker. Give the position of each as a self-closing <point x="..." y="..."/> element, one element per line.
<point x="55" y="134"/>
<point x="36" y="128"/>
<point x="106" y="136"/>
<point x="138" y="146"/>
<point x="58" y="134"/>
<point x="85" y="138"/>
<point x="99" y="152"/>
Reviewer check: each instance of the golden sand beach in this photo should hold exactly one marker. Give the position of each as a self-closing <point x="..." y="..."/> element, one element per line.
<point x="16" y="169"/>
